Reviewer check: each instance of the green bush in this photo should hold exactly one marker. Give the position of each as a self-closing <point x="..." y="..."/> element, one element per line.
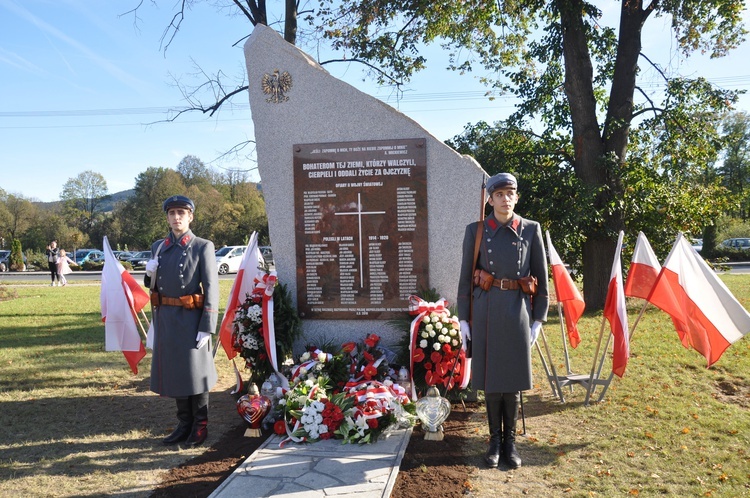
<point x="16" y="257"/>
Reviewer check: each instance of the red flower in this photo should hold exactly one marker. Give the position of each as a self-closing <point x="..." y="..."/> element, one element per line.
<point x="348" y="347"/>
<point x="447" y="348"/>
<point x="427" y="365"/>
<point x="279" y="427"/>
<point x="372" y="423"/>
<point x="372" y="340"/>
<point x="368" y="356"/>
<point x="436" y="356"/>
<point x="418" y="355"/>
<point x="327" y="435"/>
<point x="370" y="371"/>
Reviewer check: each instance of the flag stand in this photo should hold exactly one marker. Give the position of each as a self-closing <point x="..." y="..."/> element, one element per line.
<point x="557" y="382"/>
<point x="630" y="339"/>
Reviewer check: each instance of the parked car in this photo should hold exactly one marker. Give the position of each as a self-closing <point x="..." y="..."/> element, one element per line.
<point x="123" y="255"/>
<point x="267" y="254"/>
<point x="139" y="259"/>
<point x="737" y="243"/>
<point x="697" y="244"/>
<point x="229" y="258"/>
<point x="83" y="255"/>
<point x="5" y="260"/>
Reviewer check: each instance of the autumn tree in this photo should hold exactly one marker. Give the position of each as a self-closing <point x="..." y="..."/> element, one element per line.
<point x="83" y="195"/>
<point x="573" y="74"/>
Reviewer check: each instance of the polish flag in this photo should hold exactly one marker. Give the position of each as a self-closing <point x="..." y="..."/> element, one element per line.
<point x="567" y="294"/>
<point x="689" y="290"/>
<point x="249" y="272"/>
<point x="644" y="269"/>
<point x="616" y="313"/>
<point x="122" y="298"/>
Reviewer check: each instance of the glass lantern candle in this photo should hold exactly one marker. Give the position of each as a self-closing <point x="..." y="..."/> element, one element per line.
<point x="253" y="407"/>
<point x="433" y="410"/>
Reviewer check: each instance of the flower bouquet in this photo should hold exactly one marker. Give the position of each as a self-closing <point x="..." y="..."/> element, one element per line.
<point x="437" y="356"/>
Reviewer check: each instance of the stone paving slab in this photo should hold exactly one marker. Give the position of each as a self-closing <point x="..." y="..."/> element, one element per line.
<point x="322" y="469"/>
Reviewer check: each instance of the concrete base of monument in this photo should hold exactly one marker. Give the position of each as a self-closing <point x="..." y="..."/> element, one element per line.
<point x="323" y="468"/>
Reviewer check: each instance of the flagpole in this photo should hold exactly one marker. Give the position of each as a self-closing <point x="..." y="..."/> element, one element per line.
<point x="630" y="339"/>
<point x="593" y="367"/>
<point x="564" y="342"/>
<point x="546" y="369"/>
<point x="552" y="365"/>
<point x="138" y="321"/>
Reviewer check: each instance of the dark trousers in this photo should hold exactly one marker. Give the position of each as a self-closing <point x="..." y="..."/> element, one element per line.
<point x="53" y="271"/>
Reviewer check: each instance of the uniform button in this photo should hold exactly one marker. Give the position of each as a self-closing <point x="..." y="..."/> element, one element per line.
<point x="180" y="264"/>
<point x="493" y="273"/>
<point x="161" y="288"/>
<point x="184" y="254"/>
<point x="182" y="287"/>
<point x="489" y="250"/>
<point x="519" y="261"/>
<point x="492" y="262"/>
<point x="181" y="275"/>
<point x="489" y="240"/>
<point x="518" y="273"/>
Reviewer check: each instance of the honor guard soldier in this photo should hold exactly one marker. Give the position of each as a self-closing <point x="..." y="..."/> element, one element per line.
<point x="505" y="297"/>
<point x="184" y="283"/>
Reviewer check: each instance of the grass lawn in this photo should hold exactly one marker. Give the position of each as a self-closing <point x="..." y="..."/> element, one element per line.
<point x="74" y="421"/>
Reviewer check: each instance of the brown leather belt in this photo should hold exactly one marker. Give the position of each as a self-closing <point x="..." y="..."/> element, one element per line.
<point x="506" y="284"/>
<point x="189" y="302"/>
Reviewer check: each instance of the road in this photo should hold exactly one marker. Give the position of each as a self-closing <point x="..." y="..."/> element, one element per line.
<point x="76" y="276"/>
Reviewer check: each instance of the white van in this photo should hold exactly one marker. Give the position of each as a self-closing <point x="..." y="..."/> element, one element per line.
<point x="229" y="258"/>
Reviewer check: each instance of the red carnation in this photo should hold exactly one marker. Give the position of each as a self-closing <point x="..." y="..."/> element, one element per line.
<point x="279" y="427"/>
<point x="372" y="423"/>
<point x="447" y="348"/>
<point x="348" y="347"/>
<point x="370" y="371"/>
<point x="436" y="356"/>
<point x="372" y="340"/>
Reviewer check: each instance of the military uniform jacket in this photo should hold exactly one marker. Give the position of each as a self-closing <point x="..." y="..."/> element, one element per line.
<point x="501" y="321"/>
<point x="186" y="266"/>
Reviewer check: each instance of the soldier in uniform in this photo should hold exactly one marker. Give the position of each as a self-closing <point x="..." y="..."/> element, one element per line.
<point x="505" y="320"/>
<point x="184" y="284"/>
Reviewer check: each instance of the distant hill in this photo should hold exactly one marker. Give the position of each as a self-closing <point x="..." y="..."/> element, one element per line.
<point x="106" y="205"/>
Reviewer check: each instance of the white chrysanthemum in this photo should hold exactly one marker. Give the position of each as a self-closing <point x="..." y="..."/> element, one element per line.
<point x="426" y="319"/>
<point x="436" y="346"/>
<point x="318" y="406"/>
<point x="323" y="428"/>
<point x="442" y="338"/>
<point x="453" y="332"/>
<point x="309" y="382"/>
<point x="429" y="327"/>
<point x="432" y="333"/>
<point x="439" y="325"/>
<point x="318" y="418"/>
<point x="424" y="335"/>
<point x="434" y="318"/>
<point x="423" y="343"/>
<point x="445" y="318"/>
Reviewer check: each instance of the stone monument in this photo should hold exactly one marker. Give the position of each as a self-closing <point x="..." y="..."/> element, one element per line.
<point x="364" y="206"/>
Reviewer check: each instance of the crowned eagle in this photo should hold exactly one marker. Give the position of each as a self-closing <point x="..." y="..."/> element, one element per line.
<point x="276" y="85"/>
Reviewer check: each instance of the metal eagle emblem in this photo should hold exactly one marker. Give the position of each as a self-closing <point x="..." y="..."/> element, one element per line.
<point x="276" y="85"/>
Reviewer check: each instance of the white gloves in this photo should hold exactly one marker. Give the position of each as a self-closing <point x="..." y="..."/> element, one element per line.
<point x="536" y="327"/>
<point x="465" y="333"/>
<point x="202" y="339"/>
<point x="151" y="266"/>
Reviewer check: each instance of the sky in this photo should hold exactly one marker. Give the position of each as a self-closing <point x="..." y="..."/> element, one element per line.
<point x="84" y="85"/>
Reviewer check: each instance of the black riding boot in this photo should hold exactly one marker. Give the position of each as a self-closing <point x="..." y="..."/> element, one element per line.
<point x="199" y="432"/>
<point x="493" y="402"/>
<point x="185" y="422"/>
<point x="511" y="402"/>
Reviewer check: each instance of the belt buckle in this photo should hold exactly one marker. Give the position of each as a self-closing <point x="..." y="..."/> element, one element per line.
<point x="503" y="281"/>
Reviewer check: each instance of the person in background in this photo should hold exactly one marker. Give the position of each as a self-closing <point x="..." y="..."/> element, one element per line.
<point x="52" y="254"/>
<point x="506" y="310"/>
<point x="63" y="266"/>
<point x="184" y="283"/>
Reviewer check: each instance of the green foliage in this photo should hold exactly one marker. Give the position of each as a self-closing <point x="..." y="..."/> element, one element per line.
<point x="16" y="257"/>
<point x="286" y="318"/>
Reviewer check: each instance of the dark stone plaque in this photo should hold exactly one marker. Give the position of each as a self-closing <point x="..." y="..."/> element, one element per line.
<point x="361" y="222"/>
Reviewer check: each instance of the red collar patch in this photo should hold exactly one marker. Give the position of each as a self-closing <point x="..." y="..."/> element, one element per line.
<point x="184" y="240"/>
<point x="167" y="242"/>
<point x="514" y="224"/>
<point x="492" y="223"/>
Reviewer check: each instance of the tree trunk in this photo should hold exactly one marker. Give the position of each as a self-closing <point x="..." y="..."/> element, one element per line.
<point x="290" y="22"/>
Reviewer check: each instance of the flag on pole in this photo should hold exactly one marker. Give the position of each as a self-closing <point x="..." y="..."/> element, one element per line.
<point x="689" y="290"/>
<point x="644" y="269"/>
<point x="616" y="313"/>
<point x="244" y="283"/>
<point x="121" y="299"/>
<point x="567" y="294"/>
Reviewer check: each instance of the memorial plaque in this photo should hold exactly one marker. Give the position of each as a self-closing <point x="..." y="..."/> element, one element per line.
<point x="361" y="226"/>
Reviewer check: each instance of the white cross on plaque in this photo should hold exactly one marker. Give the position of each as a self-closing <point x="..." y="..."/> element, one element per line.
<point x="359" y="214"/>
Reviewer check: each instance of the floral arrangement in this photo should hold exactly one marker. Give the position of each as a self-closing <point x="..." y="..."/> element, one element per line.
<point x="247" y="327"/>
<point x="347" y="395"/>
<point x="437" y="355"/>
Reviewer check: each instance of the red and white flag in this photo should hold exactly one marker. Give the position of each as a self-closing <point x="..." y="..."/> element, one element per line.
<point x="616" y="313"/>
<point x="249" y="272"/>
<point x="699" y="302"/>
<point x="122" y="298"/>
<point x="567" y="294"/>
<point x="644" y="269"/>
